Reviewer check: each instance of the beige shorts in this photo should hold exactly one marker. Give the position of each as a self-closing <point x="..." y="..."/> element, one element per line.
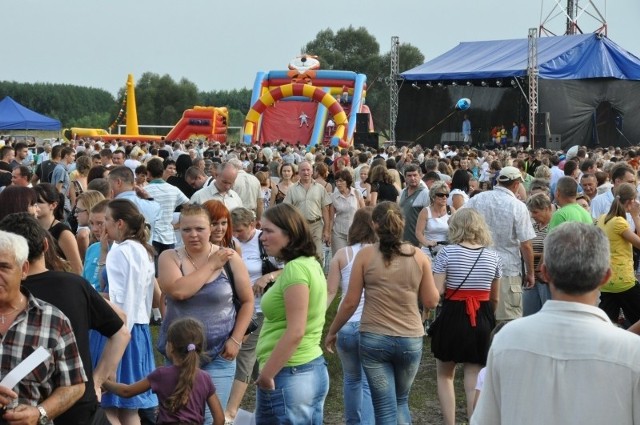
<point x="510" y="302"/>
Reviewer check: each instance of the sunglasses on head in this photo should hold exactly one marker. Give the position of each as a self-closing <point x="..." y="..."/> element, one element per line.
<point x="442" y="195"/>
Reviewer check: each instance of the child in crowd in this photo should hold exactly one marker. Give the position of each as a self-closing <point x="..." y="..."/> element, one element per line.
<point x="483" y="371"/>
<point x="182" y="389"/>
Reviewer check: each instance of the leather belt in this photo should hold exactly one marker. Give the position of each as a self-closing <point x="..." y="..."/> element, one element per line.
<point x="314" y="221"/>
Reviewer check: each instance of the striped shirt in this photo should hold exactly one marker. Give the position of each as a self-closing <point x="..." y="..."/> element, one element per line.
<point x="42" y="325"/>
<point x="169" y="197"/>
<point x="455" y="261"/>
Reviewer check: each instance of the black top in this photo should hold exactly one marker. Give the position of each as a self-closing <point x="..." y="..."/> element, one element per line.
<point x="181" y="184"/>
<point x="56" y="230"/>
<point x="5" y="173"/>
<point x="86" y="309"/>
<point x="386" y="192"/>
<point x="44" y="170"/>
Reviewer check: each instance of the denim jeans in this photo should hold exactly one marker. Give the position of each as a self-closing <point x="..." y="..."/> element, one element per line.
<point x="358" y="408"/>
<point x="298" y="397"/>
<point x="222" y="372"/>
<point x="391" y="364"/>
<point x="533" y="299"/>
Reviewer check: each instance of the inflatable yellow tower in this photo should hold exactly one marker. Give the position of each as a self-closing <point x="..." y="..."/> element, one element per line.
<point x="132" y="113"/>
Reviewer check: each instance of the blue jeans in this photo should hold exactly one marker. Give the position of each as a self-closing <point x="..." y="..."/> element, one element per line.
<point x="533" y="299"/>
<point x="298" y="397"/>
<point x="358" y="408"/>
<point x="391" y="364"/>
<point x="222" y="372"/>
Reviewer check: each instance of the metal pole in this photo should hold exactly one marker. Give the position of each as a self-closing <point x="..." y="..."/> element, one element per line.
<point x="393" y="86"/>
<point x="532" y="72"/>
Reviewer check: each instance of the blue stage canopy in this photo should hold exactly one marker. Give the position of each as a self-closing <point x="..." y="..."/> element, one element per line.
<point x="571" y="57"/>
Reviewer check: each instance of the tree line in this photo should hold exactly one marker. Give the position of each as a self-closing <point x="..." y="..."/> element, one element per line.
<point x="161" y="100"/>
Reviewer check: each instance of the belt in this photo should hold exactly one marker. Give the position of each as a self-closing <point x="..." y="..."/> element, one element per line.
<point x="314" y="221"/>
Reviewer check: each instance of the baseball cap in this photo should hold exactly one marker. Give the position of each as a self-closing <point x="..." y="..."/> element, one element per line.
<point x="509" y="174"/>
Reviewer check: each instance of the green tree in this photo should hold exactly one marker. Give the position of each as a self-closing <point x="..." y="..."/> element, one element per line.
<point x="354" y="49"/>
<point x="68" y="103"/>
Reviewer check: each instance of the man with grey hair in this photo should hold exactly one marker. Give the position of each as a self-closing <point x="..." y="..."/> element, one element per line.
<point x="569" y="357"/>
<point x="313" y="201"/>
<point x="26" y="323"/>
<point x="249" y="188"/>
<point x="221" y="189"/>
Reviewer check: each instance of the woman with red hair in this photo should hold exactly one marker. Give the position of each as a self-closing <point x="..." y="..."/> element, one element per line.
<point x="221" y="227"/>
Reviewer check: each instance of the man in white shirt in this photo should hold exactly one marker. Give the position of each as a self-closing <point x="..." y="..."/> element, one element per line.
<point x="620" y="173"/>
<point x="220" y="189"/>
<point x="248" y="187"/>
<point x="169" y="197"/>
<point x="512" y="231"/>
<point x="567" y="364"/>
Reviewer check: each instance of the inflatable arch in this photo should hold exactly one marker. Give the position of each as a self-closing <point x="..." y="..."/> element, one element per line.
<point x="306" y="90"/>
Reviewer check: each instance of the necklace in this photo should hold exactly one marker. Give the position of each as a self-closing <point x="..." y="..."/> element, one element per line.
<point x="52" y="223"/>
<point x="2" y="315"/>
<point x="193" y="263"/>
<point x="437" y="214"/>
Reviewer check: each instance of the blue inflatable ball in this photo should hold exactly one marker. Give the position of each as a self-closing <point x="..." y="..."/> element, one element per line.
<point x="463" y="104"/>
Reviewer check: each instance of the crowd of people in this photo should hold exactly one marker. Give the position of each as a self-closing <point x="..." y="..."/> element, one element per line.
<point x="237" y="253"/>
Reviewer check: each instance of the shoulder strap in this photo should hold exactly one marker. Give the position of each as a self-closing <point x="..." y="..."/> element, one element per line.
<point x="263" y="253"/>
<point x="177" y="251"/>
<point x="429" y="215"/>
<point x="465" y="278"/>
<point x="229" y="272"/>
<point x="347" y="253"/>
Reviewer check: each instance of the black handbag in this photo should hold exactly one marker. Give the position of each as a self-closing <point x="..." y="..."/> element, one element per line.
<point x="253" y="324"/>
<point x="267" y="265"/>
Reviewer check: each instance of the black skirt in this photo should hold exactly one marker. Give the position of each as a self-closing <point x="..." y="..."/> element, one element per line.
<point x="453" y="339"/>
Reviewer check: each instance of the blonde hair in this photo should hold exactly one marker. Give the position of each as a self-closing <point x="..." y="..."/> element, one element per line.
<point x="438" y="187"/>
<point x="467" y="225"/>
<point x="90" y="199"/>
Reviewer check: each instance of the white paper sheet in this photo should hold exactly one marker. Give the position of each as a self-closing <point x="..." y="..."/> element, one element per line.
<point x="25" y="367"/>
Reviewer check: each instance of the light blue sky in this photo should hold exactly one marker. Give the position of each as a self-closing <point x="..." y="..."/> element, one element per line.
<point x="222" y="44"/>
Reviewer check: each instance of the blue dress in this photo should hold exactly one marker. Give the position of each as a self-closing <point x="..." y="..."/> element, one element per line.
<point x="137" y="362"/>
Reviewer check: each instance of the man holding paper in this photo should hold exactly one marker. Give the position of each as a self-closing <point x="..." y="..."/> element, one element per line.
<point x="84" y="308"/>
<point x="55" y="384"/>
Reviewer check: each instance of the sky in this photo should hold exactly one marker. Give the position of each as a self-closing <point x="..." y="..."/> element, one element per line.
<point x="220" y="45"/>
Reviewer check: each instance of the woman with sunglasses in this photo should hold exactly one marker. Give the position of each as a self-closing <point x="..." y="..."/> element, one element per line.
<point x="432" y="227"/>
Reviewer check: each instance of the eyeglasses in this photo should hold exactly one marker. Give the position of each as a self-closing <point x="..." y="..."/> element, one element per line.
<point x="442" y="195"/>
<point x="80" y="210"/>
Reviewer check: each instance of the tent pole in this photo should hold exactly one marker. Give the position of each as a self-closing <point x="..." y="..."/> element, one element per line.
<point x="532" y="72"/>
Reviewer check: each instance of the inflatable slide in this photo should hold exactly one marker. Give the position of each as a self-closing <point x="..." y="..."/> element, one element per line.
<point x="305" y="105"/>
<point x="202" y="121"/>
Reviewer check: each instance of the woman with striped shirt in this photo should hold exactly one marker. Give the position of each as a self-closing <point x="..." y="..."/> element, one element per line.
<point x="469" y="275"/>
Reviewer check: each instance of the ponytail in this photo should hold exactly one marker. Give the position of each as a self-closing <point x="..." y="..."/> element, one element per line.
<point x="188" y="366"/>
<point x="623" y="193"/>
<point x="390" y="227"/>
<point x="125" y="210"/>
<point x="187" y="344"/>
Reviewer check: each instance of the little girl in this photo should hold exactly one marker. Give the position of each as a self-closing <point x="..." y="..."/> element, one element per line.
<point x="182" y="389"/>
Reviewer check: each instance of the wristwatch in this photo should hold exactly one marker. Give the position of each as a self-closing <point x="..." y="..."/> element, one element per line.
<point x="44" y="419"/>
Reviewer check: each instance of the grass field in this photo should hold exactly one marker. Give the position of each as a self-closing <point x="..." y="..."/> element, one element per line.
<point x="423" y="401"/>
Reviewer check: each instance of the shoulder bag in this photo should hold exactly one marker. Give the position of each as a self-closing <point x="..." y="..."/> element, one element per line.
<point x="253" y="324"/>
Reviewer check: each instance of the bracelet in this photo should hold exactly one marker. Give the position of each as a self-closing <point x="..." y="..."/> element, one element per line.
<point x="102" y="264"/>
<point x="239" y="344"/>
